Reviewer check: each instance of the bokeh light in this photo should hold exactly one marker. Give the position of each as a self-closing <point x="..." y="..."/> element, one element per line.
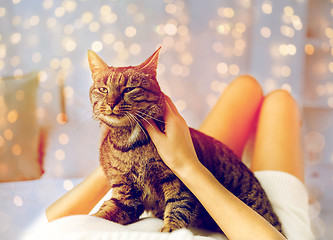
<point x="277" y="42"/>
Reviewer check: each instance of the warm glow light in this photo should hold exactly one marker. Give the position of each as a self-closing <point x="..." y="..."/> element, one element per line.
<point x="16" y="150"/>
<point x="18" y="201"/>
<point x="135" y="49"/>
<point x="12" y="116"/>
<point x="87" y="17"/>
<point x="47" y="97"/>
<point x="69" y="44"/>
<point x="105" y="10"/>
<point x="226" y="12"/>
<point x="60" y="154"/>
<point x="286" y="87"/>
<point x="171" y="8"/>
<point x="69" y="5"/>
<point x="329" y="32"/>
<point x="63" y="138"/>
<point x="265" y="32"/>
<point x="186" y="58"/>
<point x="309" y="49"/>
<point x="8" y="134"/>
<point x="287" y="31"/>
<point x="94" y="26"/>
<point x="59" y="12"/>
<point x="66" y="63"/>
<point x="222" y="68"/>
<point x="170" y="29"/>
<point x="223" y="29"/>
<point x="289" y="49"/>
<point x="97" y="46"/>
<point x="234" y="69"/>
<point x="285" y="71"/>
<point x="68" y="184"/>
<point x="118" y="46"/>
<point x="61" y="118"/>
<point x="15" y="38"/>
<point x="54" y="63"/>
<point x="266" y="7"/>
<point x="108" y="38"/>
<point x="15" y="61"/>
<point x="36" y="57"/>
<point x="130" y="31"/>
<point x="297" y="23"/>
<point x="47" y="4"/>
<point x="289" y="11"/>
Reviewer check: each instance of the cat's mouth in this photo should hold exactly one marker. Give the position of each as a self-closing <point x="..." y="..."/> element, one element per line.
<point x="115" y="120"/>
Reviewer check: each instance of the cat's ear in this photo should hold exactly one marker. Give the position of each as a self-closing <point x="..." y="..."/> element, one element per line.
<point x="96" y="64"/>
<point x="150" y="65"/>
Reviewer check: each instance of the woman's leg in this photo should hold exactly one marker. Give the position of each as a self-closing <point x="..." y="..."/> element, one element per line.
<point x="234" y="116"/>
<point x="277" y="143"/>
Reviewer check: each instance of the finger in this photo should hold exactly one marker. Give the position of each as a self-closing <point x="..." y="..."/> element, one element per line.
<point x="152" y="129"/>
<point x="171" y="105"/>
<point x="103" y="133"/>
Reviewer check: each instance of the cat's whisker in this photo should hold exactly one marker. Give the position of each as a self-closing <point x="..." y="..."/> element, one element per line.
<point x="145" y="114"/>
<point x="146" y="121"/>
<point x="138" y="123"/>
<point x="130" y="120"/>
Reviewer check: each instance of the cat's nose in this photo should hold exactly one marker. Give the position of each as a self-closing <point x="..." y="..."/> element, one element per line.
<point x="112" y="105"/>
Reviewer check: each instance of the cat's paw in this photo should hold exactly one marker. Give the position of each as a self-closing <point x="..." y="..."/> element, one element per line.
<point x="101" y="214"/>
<point x="169" y="228"/>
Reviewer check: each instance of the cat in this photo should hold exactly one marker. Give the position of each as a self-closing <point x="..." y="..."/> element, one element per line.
<point x="121" y="98"/>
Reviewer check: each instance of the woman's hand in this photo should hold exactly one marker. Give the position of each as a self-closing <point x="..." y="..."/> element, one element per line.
<point x="175" y="146"/>
<point x="103" y="133"/>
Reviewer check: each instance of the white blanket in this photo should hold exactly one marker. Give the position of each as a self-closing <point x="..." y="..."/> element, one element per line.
<point x="22" y="216"/>
<point x="84" y="227"/>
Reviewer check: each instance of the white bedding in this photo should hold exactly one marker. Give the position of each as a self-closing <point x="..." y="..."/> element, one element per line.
<point x="22" y="216"/>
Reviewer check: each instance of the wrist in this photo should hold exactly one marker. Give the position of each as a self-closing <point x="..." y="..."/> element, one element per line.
<point x="187" y="171"/>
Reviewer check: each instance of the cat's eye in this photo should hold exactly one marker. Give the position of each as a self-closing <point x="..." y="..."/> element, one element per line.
<point x="103" y="89"/>
<point x="128" y="89"/>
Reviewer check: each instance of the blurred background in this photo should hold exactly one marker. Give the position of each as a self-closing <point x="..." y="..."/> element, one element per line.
<point x="46" y="128"/>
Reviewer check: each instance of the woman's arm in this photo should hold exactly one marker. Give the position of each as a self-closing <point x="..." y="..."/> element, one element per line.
<point x="83" y="197"/>
<point x="236" y="219"/>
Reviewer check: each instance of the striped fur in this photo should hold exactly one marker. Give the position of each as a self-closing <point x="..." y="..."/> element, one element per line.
<point x="121" y="98"/>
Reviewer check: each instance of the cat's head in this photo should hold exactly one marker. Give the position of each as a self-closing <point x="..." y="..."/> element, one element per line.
<point x="123" y="96"/>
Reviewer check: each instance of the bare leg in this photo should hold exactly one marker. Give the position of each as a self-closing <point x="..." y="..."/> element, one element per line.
<point x="234" y="115"/>
<point x="277" y="142"/>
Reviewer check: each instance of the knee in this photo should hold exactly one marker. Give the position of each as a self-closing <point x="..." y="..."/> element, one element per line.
<point x="248" y="83"/>
<point x="280" y="96"/>
<point x="280" y="100"/>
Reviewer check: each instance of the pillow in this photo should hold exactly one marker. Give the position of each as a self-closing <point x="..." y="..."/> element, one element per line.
<point x="71" y="149"/>
<point x="19" y="135"/>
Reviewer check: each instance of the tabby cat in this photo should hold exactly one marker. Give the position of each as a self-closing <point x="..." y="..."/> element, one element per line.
<point x="122" y="97"/>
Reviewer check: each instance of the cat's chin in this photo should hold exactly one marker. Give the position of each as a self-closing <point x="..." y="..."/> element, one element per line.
<point x="115" y="121"/>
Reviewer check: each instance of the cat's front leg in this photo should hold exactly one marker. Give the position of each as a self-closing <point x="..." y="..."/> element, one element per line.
<point x="180" y="212"/>
<point x="124" y="207"/>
